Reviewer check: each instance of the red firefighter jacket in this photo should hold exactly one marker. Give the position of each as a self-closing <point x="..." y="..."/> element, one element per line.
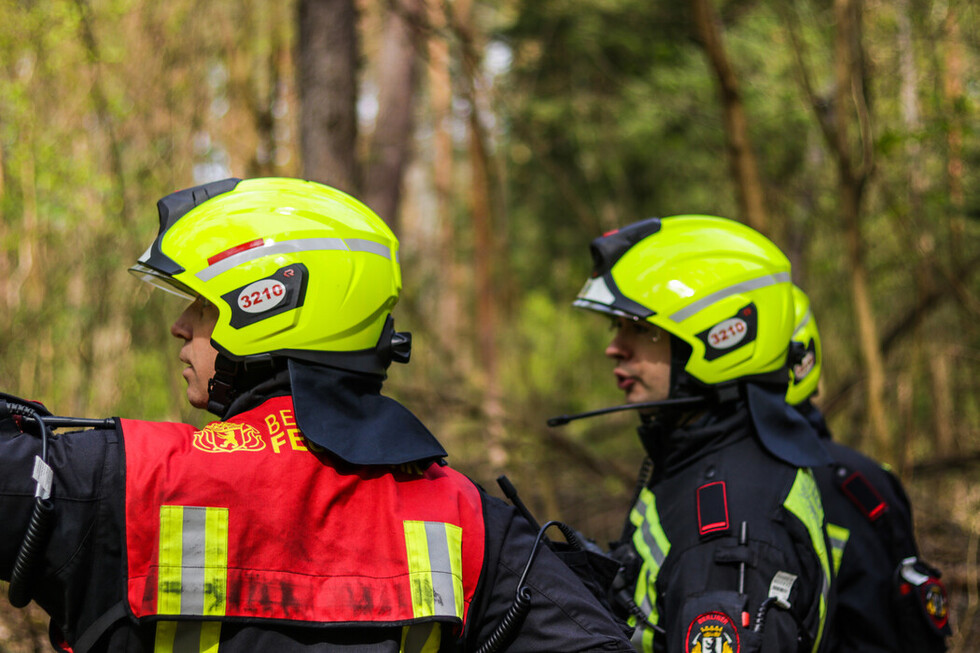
<point x="243" y="519"/>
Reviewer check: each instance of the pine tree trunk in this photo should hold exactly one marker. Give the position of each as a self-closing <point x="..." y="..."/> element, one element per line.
<point x="390" y="148"/>
<point x="749" y="188"/>
<point x="327" y="80"/>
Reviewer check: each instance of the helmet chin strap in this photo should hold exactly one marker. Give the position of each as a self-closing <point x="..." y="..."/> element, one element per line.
<point x="232" y="378"/>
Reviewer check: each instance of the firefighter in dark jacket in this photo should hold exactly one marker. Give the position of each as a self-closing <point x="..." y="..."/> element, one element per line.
<point x="317" y="514"/>
<point x="724" y="547"/>
<point x="888" y="600"/>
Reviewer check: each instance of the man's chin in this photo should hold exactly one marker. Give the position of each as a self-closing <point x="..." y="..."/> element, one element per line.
<point x="196" y="401"/>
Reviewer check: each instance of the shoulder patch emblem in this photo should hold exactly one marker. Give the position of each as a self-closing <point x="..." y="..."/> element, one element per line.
<point x="221" y="437"/>
<point x="712" y="632"/>
<point x="935" y="603"/>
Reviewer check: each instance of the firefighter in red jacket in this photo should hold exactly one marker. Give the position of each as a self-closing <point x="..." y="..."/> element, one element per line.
<point x="317" y="514"/>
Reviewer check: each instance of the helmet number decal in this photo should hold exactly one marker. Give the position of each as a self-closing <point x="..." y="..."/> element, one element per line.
<point x="261" y="296"/>
<point x="264" y="298"/>
<point x="802" y="369"/>
<point x="731" y="333"/>
<point x="727" y="334"/>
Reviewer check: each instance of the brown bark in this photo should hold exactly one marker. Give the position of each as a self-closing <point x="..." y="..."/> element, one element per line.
<point x="742" y="162"/>
<point x="440" y="99"/>
<point x="942" y="404"/>
<point x="850" y="88"/>
<point x="849" y="105"/>
<point x="390" y="148"/>
<point x="484" y="246"/>
<point x="953" y="91"/>
<point x="327" y="80"/>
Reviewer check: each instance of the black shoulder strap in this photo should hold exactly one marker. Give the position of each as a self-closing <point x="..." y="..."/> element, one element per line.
<point x="98" y="627"/>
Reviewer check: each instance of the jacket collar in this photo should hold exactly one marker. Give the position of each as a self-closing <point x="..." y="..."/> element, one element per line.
<point x="346" y="414"/>
<point x="762" y="410"/>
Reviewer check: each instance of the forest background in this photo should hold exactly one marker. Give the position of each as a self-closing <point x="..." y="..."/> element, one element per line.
<point x="497" y="139"/>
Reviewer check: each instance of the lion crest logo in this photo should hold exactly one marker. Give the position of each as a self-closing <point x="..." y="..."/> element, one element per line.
<point x="219" y="437"/>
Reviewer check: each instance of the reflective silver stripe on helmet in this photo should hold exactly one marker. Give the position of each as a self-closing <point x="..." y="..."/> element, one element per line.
<point x="803" y="323"/>
<point x="751" y="284"/>
<point x="369" y="246"/>
<point x="291" y="246"/>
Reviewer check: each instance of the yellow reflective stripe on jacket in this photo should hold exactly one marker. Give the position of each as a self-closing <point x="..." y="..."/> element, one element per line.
<point x="187" y="637"/>
<point x="193" y="572"/>
<point x="838" y="536"/>
<point x="652" y="544"/>
<point x="804" y="502"/>
<point x="192" y="577"/>
<point x="435" y="563"/>
<point x="421" y="638"/>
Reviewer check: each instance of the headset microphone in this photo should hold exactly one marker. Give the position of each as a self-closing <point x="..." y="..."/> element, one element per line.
<point x="561" y="420"/>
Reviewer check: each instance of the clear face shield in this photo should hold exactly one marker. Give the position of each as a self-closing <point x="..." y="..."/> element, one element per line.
<point x="162" y="281"/>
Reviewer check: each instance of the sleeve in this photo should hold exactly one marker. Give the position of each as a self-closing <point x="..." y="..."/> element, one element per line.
<point x="893" y="600"/>
<point x="563" y="615"/>
<point x="73" y="581"/>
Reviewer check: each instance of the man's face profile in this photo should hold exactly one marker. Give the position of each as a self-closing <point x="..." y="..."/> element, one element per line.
<point x="195" y="326"/>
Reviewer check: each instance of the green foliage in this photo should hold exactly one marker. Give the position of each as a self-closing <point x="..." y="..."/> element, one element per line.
<point x="607" y="113"/>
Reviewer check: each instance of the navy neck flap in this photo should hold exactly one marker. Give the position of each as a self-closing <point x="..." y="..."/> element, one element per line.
<point x="345" y="413"/>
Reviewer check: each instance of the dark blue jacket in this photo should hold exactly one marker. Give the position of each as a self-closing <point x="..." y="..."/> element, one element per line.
<point x="869" y="518"/>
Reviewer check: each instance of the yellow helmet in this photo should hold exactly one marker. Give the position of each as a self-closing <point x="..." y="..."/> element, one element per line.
<point x="297" y="270"/>
<point x="806" y="338"/>
<point x="716" y="285"/>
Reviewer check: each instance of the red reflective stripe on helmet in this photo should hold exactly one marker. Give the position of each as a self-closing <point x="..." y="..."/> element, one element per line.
<point x="258" y="242"/>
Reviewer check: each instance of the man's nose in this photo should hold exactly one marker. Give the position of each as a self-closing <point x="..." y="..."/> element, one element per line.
<point x="180" y="328"/>
<point x="616" y="348"/>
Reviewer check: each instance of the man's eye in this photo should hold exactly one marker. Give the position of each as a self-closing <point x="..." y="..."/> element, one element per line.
<point x="640" y="328"/>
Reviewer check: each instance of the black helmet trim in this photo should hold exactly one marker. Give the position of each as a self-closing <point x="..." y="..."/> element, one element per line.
<point x="602" y="294"/>
<point x="393" y="347"/>
<point x="223" y="262"/>
<point x="610" y="247"/>
<point x="173" y="207"/>
<point x="745" y="286"/>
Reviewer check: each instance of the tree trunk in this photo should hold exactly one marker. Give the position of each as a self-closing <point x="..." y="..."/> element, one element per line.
<point x="953" y="91"/>
<point x="440" y="99"/>
<point x="483" y="248"/>
<point x="327" y="80"/>
<point x="744" y="169"/>
<point x="849" y="94"/>
<point x="391" y="145"/>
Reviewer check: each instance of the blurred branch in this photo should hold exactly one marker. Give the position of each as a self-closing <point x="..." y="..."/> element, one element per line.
<point x="741" y="159"/>
<point x="912" y="317"/>
<point x="581" y="454"/>
<point x="939" y="466"/>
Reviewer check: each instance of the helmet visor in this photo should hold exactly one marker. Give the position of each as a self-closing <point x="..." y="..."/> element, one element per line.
<point x="162" y="281"/>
